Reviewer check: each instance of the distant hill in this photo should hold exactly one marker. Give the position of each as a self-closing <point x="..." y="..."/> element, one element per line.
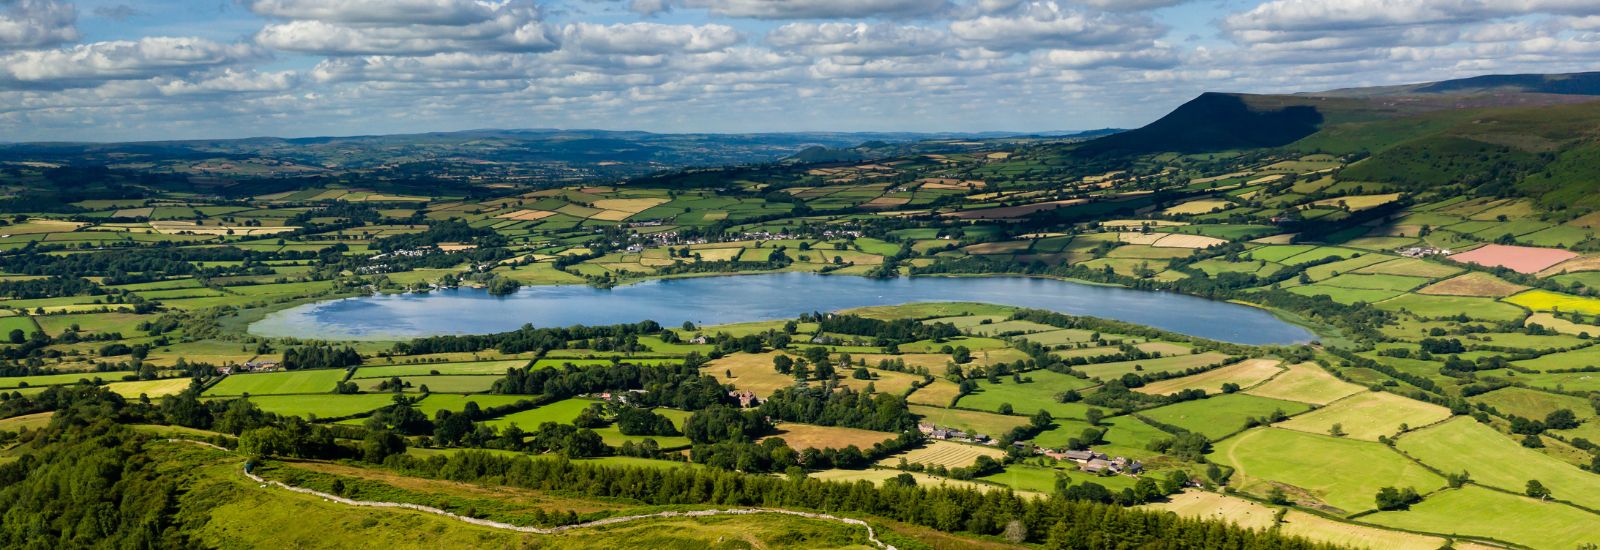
<point x="1586" y="84"/>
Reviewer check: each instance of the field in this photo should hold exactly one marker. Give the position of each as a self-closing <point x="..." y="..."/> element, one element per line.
<point x="1494" y="460"/>
<point x="1247" y="513"/>
<point x="1475" y="511"/>
<point x="943" y="453"/>
<point x="1369" y="415"/>
<point x="1474" y="284"/>
<point x="1535" y="404"/>
<point x="1318" y="470"/>
<point x="1522" y="259"/>
<point x="1433" y="307"/>
<point x="1160" y="364"/>
<point x="969" y="421"/>
<point x="1216" y="417"/>
<point x="1306" y="383"/>
<point x="151" y="388"/>
<point x="290" y="382"/>
<point x="1544" y="300"/>
<point x="560" y="412"/>
<point x="497" y="368"/>
<point x="1245" y="373"/>
<point x="878" y="475"/>
<point x="806" y="436"/>
<point x="751" y="372"/>
<point x="1030" y="397"/>
<point x="324" y="406"/>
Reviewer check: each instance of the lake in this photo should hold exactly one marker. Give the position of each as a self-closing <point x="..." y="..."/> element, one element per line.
<point x="732" y="299"/>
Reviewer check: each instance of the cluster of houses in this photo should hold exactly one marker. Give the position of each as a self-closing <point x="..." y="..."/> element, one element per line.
<point x="1422" y="251"/>
<point x="746" y="398"/>
<point x="250" y="366"/>
<point x="952" y="434"/>
<point x="1094" y="463"/>
<point x="618" y="398"/>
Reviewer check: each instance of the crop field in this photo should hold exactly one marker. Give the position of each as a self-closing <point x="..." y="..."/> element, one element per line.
<point x="1522" y="259"/>
<point x="969" y="421"/>
<point x="1305" y="383"/>
<point x="1216" y="417"/>
<point x="1544" y="300"/>
<point x="1494" y="460"/>
<point x="1474" y="284"/>
<point x="1475" y="511"/>
<point x="151" y="388"/>
<point x="941" y="393"/>
<point x="1245" y="374"/>
<point x="751" y="372"/>
<point x="944" y="453"/>
<point x="807" y="436"/>
<point x="1369" y="415"/>
<point x="1161" y="364"/>
<point x="1337" y="472"/>
<point x="1247" y="513"/>
<point x="878" y="475"/>
<point x="269" y="383"/>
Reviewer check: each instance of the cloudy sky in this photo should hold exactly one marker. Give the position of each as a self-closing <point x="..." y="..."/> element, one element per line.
<point x="169" y="69"/>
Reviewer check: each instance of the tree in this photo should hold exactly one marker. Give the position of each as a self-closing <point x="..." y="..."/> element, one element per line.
<point x="1093" y="416"/>
<point x="1005" y="408"/>
<point x="17" y="336"/>
<point x="1337" y="430"/>
<point x="1390" y="498"/>
<point x="783" y="364"/>
<point x="1537" y="490"/>
<point x="1561" y="419"/>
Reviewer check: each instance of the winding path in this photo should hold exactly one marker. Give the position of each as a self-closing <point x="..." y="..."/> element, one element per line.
<point x="872" y="534"/>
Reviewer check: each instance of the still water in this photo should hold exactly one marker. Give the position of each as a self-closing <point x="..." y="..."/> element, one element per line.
<point x="718" y="300"/>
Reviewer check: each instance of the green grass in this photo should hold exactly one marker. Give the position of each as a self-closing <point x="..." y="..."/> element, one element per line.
<point x="446" y="384"/>
<point x="970" y="421"/>
<point x="1528" y="403"/>
<point x="1217" y="417"/>
<point x="1376" y="282"/>
<point x="1433" y="307"/>
<point x="1574" y="359"/>
<point x="1030" y="397"/>
<point x="1171" y="363"/>
<point x="23" y="323"/>
<point x="323" y="406"/>
<point x="1476" y="511"/>
<point x="1369" y="415"/>
<point x="60" y="379"/>
<point x="477" y="367"/>
<point x="1342" y="473"/>
<point x="1494" y="460"/>
<point x="1344" y="295"/>
<point x="291" y="382"/>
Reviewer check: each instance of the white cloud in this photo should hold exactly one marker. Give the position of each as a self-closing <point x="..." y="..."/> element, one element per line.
<point x="361" y="28"/>
<point x="1048" y="25"/>
<point x="36" y="23"/>
<point x="648" y="38"/>
<point x="817" y="9"/>
<point x="858" y="39"/>
<point x="92" y="64"/>
<point x="1156" y="57"/>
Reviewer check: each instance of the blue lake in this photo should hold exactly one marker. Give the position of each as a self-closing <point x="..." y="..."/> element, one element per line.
<point x="731" y="299"/>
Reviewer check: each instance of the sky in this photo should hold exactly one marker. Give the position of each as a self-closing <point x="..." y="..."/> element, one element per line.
<point x="129" y="70"/>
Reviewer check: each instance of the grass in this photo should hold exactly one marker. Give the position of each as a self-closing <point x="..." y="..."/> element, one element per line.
<point x="290" y="382"/>
<point x="1433" y="307"/>
<point x="323" y="406"/>
<point x="1494" y="460"/>
<point x="29" y="421"/>
<point x="1028" y="398"/>
<point x="1476" y="283"/>
<point x="151" y="388"/>
<point x="969" y="421"/>
<point x="1245" y="374"/>
<point x="560" y="412"/>
<point x="944" y="453"/>
<point x="751" y="371"/>
<point x="1306" y="383"/>
<point x="1533" y="404"/>
<point x="1369" y="415"/>
<point x="1475" y="511"/>
<point x="456" y="403"/>
<point x="446" y="384"/>
<point x="479" y="367"/>
<point x="1577" y="358"/>
<point x="878" y="475"/>
<point x="1345" y="296"/>
<point x="1217" y="417"/>
<point x="1161" y="364"/>
<point x="1248" y="513"/>
<point x="1344" y="474"/>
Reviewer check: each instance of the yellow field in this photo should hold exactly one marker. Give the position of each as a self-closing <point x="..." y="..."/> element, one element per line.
<point x="1208" y="505"/>
<point x="527" y="215"/>
<point x="752" y="372"/>
<point x="1306" y="383"/>
<point x="890" y="382"/>
<point x="941" y="393"/>
<point x="29" y="421"/>
<point x="174" y="228"/>
<point x="1197" y="207"/>
<point x="1140" y="238"/>
<point x="718" y="254"/>
<point x="1360" y="202"/>
<point x="1369" y="415"/>
<point x="611" y="215"/>
<point x="944" y="453"/>
<point x="878" y="475"/>
<point x="1563" y="326"/>
<point x="1245" y="373"/>
<point x="1252" y="515"/>
<point x="807" y="436"/>
<point x="1544" y="300"/>
<point x="152" y="388"/>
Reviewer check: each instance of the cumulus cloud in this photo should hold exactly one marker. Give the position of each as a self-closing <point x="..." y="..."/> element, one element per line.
<point x="648" y="38"/>
<point x="1284" y="21"/>
<point x="89" y="65"/>
<point x="817" y="9"/>
<point x="363" y="27"/>
<point x="1157" y="57"/>
<point x="36" y="23"/>
<point x="1048" y="25"/>
<point x="1129" y="5"/>
<point x="858" y="39"/>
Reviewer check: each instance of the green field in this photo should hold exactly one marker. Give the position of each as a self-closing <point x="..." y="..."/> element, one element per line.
<point x="1030" y="397"/>
<point x="1216" y="417"/>
<point x="1342" y="473"/>
<point x="1496" y="461"/>
<point x="480" y="367"/>
<point x="290" y="382"/>
<point x="1475" y="511"/>
<point x="323" y="406"/>
<point x="1369" y="415"/>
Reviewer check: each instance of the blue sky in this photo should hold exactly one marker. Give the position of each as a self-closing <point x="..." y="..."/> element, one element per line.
<point x="178" y="69"/>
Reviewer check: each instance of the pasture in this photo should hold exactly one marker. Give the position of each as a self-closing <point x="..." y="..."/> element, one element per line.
<point x="1305" y="383"/>
<point x="1028" y="398"/>
<point x="969" y="421"/>
<point x="1368" y="415"/>
<point x="497" y="368"/>
<point x="1217" y="417"/>
<point x="322" y="406"/>
<point x="1340" y="473"/>
<point x="289" y="382"/>
<point x="1106" y="371"/>
<point x="1245" y="373"/>
<point x="1495" y="460"/>
<point x="1475" y="511"/>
